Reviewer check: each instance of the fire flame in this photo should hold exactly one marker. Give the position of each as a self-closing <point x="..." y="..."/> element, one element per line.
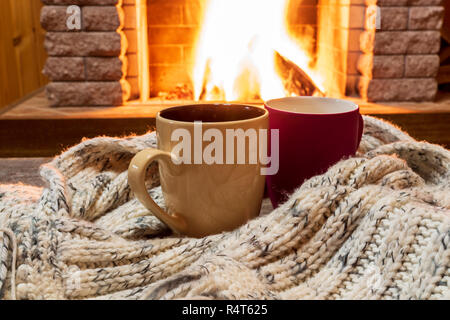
<point x="235" y="52"/>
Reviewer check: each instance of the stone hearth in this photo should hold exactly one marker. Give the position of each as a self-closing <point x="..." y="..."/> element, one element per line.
<point x="383" y="50"/>
<point x="32" y="128"/>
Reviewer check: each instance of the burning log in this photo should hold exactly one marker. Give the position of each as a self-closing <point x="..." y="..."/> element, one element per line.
<point x="181" y="92"/>
<point x="247" y="83"/>
<point x="295" y="80"/>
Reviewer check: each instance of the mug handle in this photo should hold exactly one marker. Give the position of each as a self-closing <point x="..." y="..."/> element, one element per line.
<point x="136" y="178"/>
<point x="360" y="130"/>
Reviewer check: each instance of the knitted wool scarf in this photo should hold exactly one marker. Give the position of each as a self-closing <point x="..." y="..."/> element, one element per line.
<point x="375" y="226"/>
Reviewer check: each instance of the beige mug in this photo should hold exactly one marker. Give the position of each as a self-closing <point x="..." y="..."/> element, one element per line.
<point x="207" y="187"/>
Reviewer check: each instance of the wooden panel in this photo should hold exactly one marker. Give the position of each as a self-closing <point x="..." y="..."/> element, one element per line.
<point x="22" y="49"/>
<point x="9" y="79"/>
<point x="48" y="137"/>
<point x="34" y="129"/>
<point x="429" y="127"/>
<point x="39" y="37"/>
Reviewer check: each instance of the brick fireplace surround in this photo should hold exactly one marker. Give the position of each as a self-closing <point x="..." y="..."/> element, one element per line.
<point x="103" y="61"/>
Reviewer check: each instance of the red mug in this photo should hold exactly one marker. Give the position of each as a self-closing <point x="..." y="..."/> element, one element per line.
<point x="314" y="134"/>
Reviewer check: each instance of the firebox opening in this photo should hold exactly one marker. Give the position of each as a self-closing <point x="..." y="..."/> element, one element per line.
<point x="253" y="50"/>
<point x="245" y="50"/>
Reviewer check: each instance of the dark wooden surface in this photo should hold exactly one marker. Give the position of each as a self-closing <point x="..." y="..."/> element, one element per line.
<point x="430" y="127"/>
<point x="24" y="170"/>
<point x="48" y="137"/>
<point x="33" y="129"/>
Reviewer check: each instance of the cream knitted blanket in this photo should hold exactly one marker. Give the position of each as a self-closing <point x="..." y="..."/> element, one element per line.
<point x="376" y="226"/>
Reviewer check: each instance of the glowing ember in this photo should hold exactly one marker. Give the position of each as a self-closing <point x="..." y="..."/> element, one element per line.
<point x="235" y="54"/>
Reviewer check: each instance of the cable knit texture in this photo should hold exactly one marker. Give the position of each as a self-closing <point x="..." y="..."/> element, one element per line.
<point x="375" y="226"/>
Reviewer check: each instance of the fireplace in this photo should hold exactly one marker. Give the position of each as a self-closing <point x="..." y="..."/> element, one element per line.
<point x="127" y="50"/>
